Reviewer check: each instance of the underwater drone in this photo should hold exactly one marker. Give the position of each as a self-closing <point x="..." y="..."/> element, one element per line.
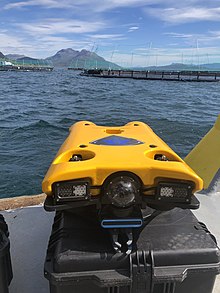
<point x="119" y="171"/>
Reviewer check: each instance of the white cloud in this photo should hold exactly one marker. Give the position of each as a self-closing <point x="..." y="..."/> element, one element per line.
<point x="43" y="3"/>
<point x="56" y="33"/>
<point x="96" y="5"/>
<point x="141" y="49"/>
<point x="179" y="35"/>
<point x="40" y="47"/>
<point x="133" y="28"/>
<point x="170" y="11"/>
<point x="193" y="40"/>
<point x="11" y="43"/>
<point x="215" y="34"/>
<point x="57" y="26"/>
<point x="107" y="37"/>
<point x="188" y="14"/>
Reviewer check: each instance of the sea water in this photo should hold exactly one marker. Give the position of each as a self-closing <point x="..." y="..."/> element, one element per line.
<point x="37" y="108"/>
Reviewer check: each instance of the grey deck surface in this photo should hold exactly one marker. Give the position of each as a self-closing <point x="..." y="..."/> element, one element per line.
<point x="29" y="233"/>
<point x="30" y="229"/>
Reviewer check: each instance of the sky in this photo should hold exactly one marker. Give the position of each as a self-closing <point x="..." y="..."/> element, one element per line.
<point x="127" y="32"/>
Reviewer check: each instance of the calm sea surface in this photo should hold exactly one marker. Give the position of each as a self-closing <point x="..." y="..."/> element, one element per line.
<point x="37" y="108"/>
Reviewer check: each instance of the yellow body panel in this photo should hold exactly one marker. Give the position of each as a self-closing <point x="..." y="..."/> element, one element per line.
<point x="100" y="161"/>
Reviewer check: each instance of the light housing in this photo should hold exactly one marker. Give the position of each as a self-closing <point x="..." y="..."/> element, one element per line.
<point x="71" y="190"/>
<point x="174" y="192"/>
<point x="122" y="190"/>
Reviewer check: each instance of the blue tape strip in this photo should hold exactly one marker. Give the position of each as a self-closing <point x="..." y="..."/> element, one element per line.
<point x="124" y="223"/>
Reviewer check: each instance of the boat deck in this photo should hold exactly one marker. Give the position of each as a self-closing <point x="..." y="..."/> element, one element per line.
<point x="30" y="229"/>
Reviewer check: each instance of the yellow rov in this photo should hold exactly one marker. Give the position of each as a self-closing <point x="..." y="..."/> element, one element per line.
<point x="122" y="170"/>
<point x="120" y="167"/>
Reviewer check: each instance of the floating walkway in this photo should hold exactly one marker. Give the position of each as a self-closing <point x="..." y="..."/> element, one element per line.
<point x="25" y="68"/>
<point x="198" y="76"/>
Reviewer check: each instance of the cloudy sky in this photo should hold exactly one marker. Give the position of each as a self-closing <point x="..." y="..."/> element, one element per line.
<point x="129" y="32"/>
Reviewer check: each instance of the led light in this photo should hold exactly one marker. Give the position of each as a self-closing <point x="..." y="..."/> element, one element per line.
<point x="167" y="191"/>
<point x="80" y="190"/>
<point x="122" y="191"/>
<point x="178" y="192"/>
<point x="71" y="190"/>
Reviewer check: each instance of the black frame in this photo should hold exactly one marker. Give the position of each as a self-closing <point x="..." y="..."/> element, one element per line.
<point x="174" y="185"/>
<point x="56" y="185"/>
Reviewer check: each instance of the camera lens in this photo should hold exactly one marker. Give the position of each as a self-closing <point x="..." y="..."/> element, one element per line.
<point x="122" y="191"/>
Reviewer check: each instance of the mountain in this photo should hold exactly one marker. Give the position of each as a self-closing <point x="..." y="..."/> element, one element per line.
<point x="2" y="55"/>
<point x="212" y="66"/>
<point x="32" y="61"/>
<point x="27" y="59"/>
<point x="182" y="67"/>
<point x="79" y="59"/>
<point x="66" y="58"/>
<point x="14" y="56"/>
<point x="87" y="59"/>
<point x="24" y="60"/>
<point x="174" y="67"/>
<point x="63" y="57"/>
